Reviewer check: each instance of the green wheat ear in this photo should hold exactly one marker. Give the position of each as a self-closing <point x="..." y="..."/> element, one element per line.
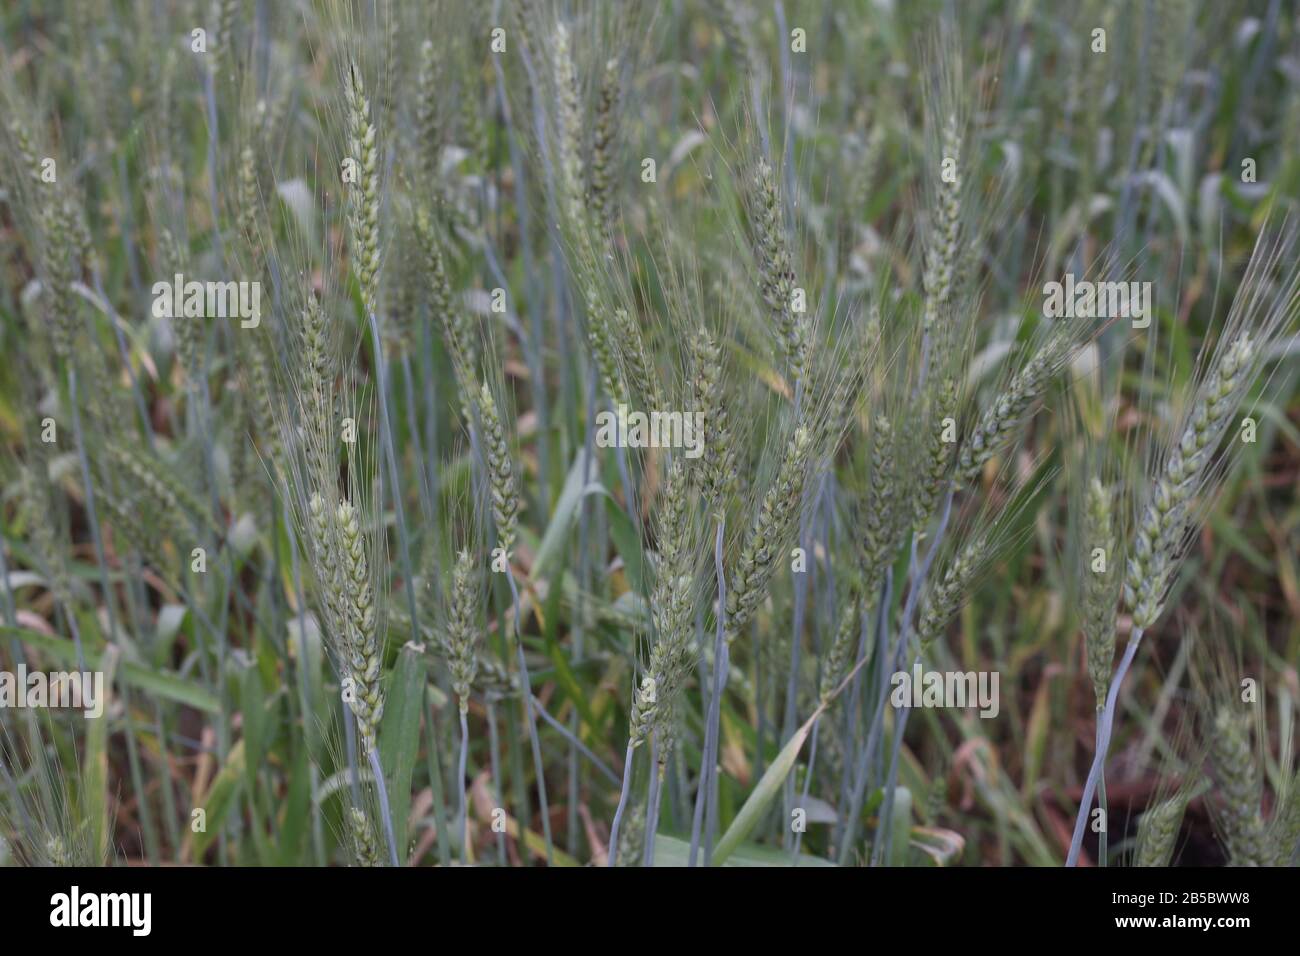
<point x="603" y="145"/>
<point x="1000" y="420"/>
<point x="1158" y="832"/>
<point x="57" y="851"/>
<point x="61" y="269"/>
<point x="638" y="366"/>
<point x="428" y="113"/>
<point x="631" y="841"/>
<point x="671" y="604"/>
<point x="714" y="473"/>
<point x="879" y="518"/>
<point x="248" y="202"/>
<point x="941" y="253"/>
<point x="362" y="642"/>
<point x="188" y="331"/>
<point x="936" y="455"/>
<point x="363" y="214"/>
<point x="459" y="333"/>
<point x="776" y="270"/>
<point x="501" y="471"/>
<point x="841" y="650"/>
<point x="251" y="346"/>
<point x="769" y="534"/>
<point x="1237" y="782"/>
<point x="1159" y="535"/>
<point x="570" y="120"/>
<point x="601" y="336"/>
<point x="942" y="600"/>
<point x="462" y="634"/>
<point x="364" y="844"/>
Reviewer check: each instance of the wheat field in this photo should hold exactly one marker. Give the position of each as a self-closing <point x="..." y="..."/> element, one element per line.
<point x="682" y="433"/>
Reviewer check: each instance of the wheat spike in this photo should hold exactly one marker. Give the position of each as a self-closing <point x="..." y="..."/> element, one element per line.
<point x="1158" y="833"/>
<point x="363" y="214"/>
<point x="942" y="249"/>
<point x="362" y="642"/>
<point x="715" y="471"/>
<point x="776" y="270"/>
<point x="603" y="146"/>
<point x="670" y="606"/>
<point x="769" y="534"/>
<point x="501" y="471"/>
<point x="942" y="600"/>
<point x="461" y="635"/>
<point x="936" y="454"/>
<point x="879" y="532"/>
<point x="364" y="843"/>
<point x="999" y="421"/>
<point x="1237" y="781"/>
<point x="1160" y="531"/>
<point x="841" y="649"/>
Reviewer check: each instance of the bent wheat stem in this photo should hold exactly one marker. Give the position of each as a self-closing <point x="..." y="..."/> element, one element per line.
<point x="1105" y="724"/>
<point x="628" y="757"/>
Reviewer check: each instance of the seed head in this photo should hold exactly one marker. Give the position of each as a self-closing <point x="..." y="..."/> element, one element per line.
<point x="1160" y="533"/>
<point x="716" y="467"/>
<point x="501" y="471"/>
<point x="363" y="216"/>
<point x="878" y="519"/>
<point x="462" y="633"/>
<point x="769" y="535"/>
<point x="1158" y="832"/>
<point x="603" y="145"/>
<point x="1236" y="778"/>
<point x="942" y="600"/>
<point x="361" y="642"/>
<point x="1000" y="420"/>
<point x="364" y="843"/>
